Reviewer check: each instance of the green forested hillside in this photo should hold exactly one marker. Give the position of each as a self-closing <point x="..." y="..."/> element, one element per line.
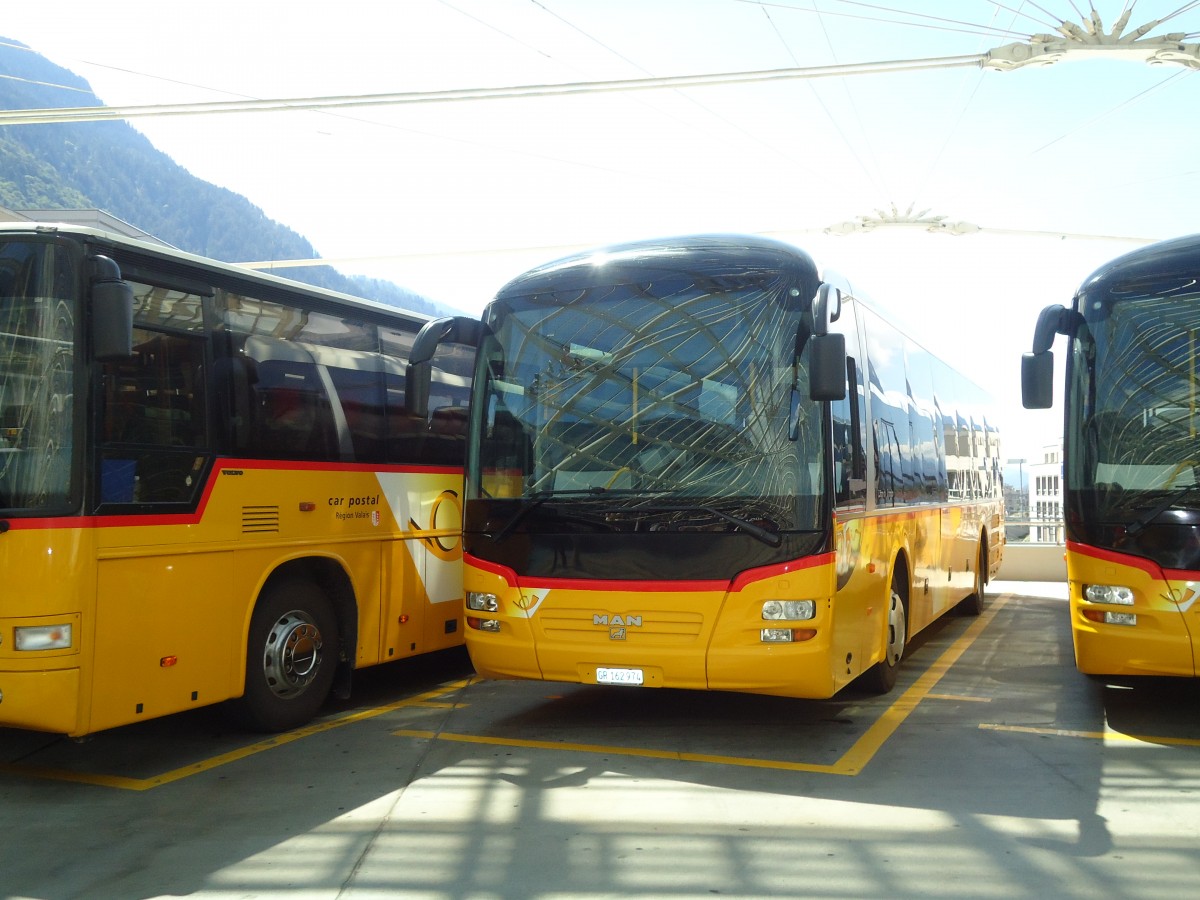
<point x="112" y="167"/>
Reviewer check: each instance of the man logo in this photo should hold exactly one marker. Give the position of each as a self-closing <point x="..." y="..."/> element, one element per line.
<point x="617" y="624"/>
<point x="620" y="620"/>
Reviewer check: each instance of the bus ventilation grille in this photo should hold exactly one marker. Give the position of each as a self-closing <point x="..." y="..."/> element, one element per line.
<point x="260" y="520"/>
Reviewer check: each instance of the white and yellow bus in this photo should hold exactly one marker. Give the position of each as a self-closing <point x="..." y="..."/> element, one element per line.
<point x="697" y="463"/>
<point x="210" y="487"/>
<point x="1131" y="458"/>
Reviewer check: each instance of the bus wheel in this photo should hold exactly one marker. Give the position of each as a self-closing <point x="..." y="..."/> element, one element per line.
<point x="972" y="604"/>
<point x="881" y="677"/>
<point x="290" y="657"/>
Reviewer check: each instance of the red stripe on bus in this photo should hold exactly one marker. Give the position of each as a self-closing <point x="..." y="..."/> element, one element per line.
<point x="194" y="518"/>
<point x="595" y="584"/>
<point x="1153" y="569"/>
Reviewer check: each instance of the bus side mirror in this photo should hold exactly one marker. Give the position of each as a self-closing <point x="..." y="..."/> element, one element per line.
<point x="419" y="372"/>
<point x="1037" y="368"/>
<point x="1037" y="380"/>
<point x="1052" y="320"/>
<point x="826" y="307"/>
<point x="112" y="311"/>
<point x="827" y="367"/>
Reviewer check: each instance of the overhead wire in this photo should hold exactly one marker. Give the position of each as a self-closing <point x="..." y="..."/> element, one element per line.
<point x="1136" y="98"/>
<point x="968" y="28"/>
<point x="935" y="161"/>
<point x="724" y="120"/>
<point x="872" y="175"/>
<point x="1055" y="21"/>
<point x="326" y="104"/>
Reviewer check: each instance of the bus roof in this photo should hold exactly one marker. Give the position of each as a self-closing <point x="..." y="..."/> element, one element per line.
<point x="1160" y="258"/>
<point x="212" y="266"/>
<point x="697" y="253"/>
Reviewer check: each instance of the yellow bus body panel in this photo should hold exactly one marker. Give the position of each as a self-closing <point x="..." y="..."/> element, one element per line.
<point x="162" y="604"/>
<point x="708" y="636"/>
<point x="1166" y="638"/>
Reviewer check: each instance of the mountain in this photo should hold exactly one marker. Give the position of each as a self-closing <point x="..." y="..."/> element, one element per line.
<point x="112" y="167"/>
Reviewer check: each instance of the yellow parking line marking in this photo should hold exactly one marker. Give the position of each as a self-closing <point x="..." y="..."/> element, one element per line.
<point x="427" y="699"/>
<point x="868" y="745"/>
<point x="609" y="750"/>
<point x="958" y="698"/>
<point x="1095" y="735"/>
<point x="851" y="763"/>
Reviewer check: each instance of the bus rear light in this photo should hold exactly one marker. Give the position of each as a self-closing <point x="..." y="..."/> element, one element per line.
<point x="42" y="637"/>
<point x="1108" y="617"/>
<point x="491" y="626"/>
<point x="167" y="661"/>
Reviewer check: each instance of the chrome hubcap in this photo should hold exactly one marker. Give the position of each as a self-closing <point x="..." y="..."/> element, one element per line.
<point x="896" y="633"/>
<point x="292" y="655"/>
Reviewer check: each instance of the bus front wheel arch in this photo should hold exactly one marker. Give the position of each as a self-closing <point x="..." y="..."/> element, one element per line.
<point x="972" y="604"/>
<point x="881" y="677"/>
<point x="292" y="653"/>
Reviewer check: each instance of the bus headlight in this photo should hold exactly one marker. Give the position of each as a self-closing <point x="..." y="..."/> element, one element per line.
<point x="1108" y="593"/>
<point x="791" y="610"/>
<point x="477" y="601"/>
<point x="42" y="637"/>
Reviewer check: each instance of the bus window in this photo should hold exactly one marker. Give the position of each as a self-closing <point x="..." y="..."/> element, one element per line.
<point x="154" y="426"/>
<point x="292" y="415"/>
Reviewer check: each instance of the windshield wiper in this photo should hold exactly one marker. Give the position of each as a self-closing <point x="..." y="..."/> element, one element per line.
<point x="1173" y="499"/>
<point x="534" y="500"/>
<point x="771" y="538"/>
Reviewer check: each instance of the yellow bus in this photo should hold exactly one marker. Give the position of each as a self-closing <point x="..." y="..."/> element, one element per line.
<point x="696" y="463"/>
<point x="1131" y="458"/>
<point x="210" y="487"/>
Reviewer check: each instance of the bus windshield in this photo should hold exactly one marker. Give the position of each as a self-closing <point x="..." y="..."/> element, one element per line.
<point x="666" y="405"/>
<point x="1135" y="446"/>
<point x="37" y="326"/>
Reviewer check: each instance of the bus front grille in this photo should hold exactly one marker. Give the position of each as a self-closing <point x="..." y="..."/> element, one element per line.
<point x="588" y="626"/>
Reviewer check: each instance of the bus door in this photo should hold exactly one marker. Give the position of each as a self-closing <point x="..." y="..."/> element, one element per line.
<point x="423" y="607"/>
<point x="853" y="631"/>
<point x="156" y="586"/>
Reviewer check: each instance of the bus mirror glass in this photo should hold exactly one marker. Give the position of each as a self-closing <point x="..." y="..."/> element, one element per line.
<point x="794" y="416"/>
<point x="827" y="367"/>
<point x="826" y="308"/>
<point x="417" y="377"/>
<point x="1037" y="380"/>
<point x="112" y="320"/>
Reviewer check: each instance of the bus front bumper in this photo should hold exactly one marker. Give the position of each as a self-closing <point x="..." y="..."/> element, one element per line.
<point x="41" y="700"/>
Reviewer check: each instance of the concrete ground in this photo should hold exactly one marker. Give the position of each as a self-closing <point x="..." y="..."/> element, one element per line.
<point x="993" y="770"/>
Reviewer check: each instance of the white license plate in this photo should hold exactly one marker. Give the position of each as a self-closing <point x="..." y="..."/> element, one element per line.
<point x="618" y="676"/>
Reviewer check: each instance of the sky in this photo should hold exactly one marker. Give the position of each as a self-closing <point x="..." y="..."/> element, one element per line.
<point x="1053" y="169"/>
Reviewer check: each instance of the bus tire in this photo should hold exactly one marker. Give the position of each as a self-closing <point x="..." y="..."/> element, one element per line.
<point x="881" y="677"/>
<point x="291" y="656"/>
<point x="972" y="604"/>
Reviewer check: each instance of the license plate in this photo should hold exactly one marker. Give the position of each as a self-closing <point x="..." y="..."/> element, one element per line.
<point x="618" y="676"/>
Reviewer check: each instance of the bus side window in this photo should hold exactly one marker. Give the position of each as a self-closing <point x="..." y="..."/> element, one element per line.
<point x="292" y="415"/>
<point x="153" y="428"/>
<point x="361" y="395"/>
<point x="849" y="456"/>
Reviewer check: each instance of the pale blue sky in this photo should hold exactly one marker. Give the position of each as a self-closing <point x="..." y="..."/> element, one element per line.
<point x="432" y="192"/>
